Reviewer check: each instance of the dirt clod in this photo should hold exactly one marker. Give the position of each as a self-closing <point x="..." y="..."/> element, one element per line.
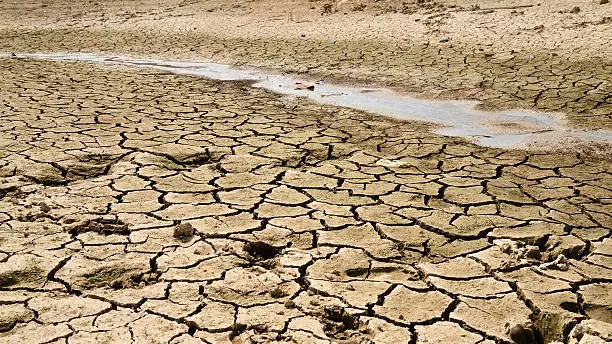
<point x="522" y="334"/>
<point x="277" y="293"/>
<point x="183" y="231"/>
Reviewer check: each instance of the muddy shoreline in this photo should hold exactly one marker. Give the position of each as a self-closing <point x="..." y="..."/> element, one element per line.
<point x="511" y="129"/>
<point x="543" y="57"/>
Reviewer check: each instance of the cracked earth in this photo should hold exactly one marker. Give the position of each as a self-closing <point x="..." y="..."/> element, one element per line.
<point x="505" y="54"/>
<point x="139" y="206"/>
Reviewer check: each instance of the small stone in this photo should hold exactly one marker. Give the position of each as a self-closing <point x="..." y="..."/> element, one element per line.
<point x="340" y="318"/>
<point x="575" y="10"/>
<point x="300" y="86"/>
<point x="237" y="329"/>
<point x="183" y="230"/>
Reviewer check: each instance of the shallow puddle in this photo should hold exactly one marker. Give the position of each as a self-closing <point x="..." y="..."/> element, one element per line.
<point x="505" y="129"/>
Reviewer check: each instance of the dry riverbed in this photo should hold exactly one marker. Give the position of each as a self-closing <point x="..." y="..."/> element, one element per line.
<point x="547" y="55"/>
<point x="140" y="206"/>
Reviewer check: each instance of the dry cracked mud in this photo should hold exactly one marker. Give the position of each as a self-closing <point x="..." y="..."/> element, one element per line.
<point x="145" y="207"/>
<point x="506" y="54"/>
<point x="139" y="206"/>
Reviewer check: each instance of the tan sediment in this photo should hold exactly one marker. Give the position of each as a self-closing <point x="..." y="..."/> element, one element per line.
<point x="311" y="224"/>
<point x="497" y="58"/>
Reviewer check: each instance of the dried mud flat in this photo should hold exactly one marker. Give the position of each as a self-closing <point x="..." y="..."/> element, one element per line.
<point x="138" y="206"/>
<point x="543" y="55"/>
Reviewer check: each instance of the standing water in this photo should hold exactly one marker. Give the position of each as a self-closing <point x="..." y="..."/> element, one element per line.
<point x="505" y="129"/>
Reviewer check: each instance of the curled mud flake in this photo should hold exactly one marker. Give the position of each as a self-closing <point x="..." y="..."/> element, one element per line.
<point x="567" y="245"/>
<point x="495" y="316"/>
<point x="597" y="301"/>
<point x="560" y="263"/>
<point x="16" y="277"/>
<point x="117" y="272"/>
<point x="12" y="314"/>
<point x="25" y="271"/>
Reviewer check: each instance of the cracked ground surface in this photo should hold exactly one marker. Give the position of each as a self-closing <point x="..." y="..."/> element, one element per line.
<point x="542" y="55"/>
<point x="138" y="206"/>
<point x="144" y="207"/>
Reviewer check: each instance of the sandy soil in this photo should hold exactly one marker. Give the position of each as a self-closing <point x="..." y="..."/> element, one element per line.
<point x="138" y="206"/>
